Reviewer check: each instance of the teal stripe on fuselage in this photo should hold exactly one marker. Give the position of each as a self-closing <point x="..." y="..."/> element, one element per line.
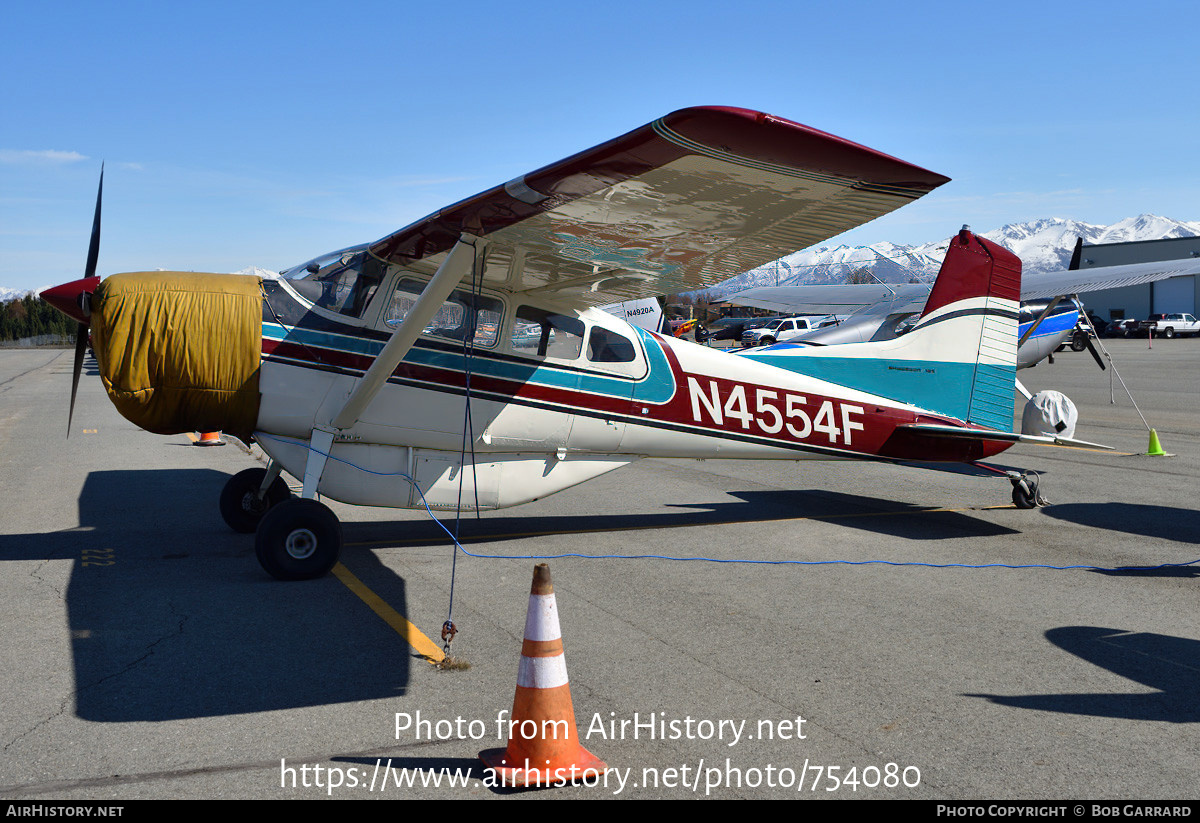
<point x="656" y="387"/>
<point x="945" y="388"/>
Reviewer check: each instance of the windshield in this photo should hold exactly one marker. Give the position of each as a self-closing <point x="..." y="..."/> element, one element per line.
<point x="342" y="281"/>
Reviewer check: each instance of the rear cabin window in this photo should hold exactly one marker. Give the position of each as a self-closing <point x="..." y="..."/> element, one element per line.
<point x="546" y="334"/>
<point x="464" y="315"/>
<point x="606" y="346"/>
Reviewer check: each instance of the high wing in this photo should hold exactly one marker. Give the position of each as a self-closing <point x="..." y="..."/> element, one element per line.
<point x="1079" y="281"/>
<point x="876" y="309"/>
<point x="682" y="203"/>
<point x="871" y="298"/>
<point x="853" y="298"/>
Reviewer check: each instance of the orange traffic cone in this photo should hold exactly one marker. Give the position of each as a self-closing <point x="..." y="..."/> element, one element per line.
<point x="209" y="439"/>
<point x="543" y="746"/>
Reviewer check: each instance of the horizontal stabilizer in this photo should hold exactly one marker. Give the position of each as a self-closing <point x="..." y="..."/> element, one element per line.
<point x="956" y="433"/>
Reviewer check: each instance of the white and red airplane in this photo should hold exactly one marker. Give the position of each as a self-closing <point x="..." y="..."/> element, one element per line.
<point x="460" y="361"/>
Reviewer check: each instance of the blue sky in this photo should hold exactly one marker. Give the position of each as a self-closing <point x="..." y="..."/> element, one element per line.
<point x="240" y="134"/>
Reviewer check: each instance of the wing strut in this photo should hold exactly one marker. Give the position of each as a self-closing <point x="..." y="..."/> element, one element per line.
<point x="450" y="273"/>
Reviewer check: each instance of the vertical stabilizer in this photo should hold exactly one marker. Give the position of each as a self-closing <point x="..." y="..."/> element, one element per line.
<point x="959" y="359"/>
<point x="973" y="310"/>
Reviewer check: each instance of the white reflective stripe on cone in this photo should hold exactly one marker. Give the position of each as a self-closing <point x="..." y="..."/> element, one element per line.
<point x="541" y="621"/>
<point x="542" y="672"/>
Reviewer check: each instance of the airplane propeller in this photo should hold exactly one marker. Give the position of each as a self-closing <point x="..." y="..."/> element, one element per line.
<point x="75" y="300"/>
<point x="1095" y="354"/>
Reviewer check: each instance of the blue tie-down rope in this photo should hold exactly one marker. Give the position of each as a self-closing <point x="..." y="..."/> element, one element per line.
<point x="697" y="558"/>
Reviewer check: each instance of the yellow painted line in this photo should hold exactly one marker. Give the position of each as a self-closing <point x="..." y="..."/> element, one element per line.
<point x="412" y="635"/>
<point x="192" y="436"/>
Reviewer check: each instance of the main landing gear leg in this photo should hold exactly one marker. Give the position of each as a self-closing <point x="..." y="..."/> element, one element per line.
<point x="1026" y="492"/>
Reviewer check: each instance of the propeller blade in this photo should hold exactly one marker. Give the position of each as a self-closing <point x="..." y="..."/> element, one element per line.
<point x="81" y="336"/>
<point x="94" y="245"/>
<point x="81" y="331"/>
<point x="1095" y="354"/>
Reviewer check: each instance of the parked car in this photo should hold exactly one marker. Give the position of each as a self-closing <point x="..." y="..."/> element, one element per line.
<point x="1170" y="325"/>
<point x="1123" y="328"/>
<point x="784" y="329"/>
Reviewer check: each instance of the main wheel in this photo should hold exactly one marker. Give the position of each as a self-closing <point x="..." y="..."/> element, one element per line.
<point x="298" y="540"/>
<point x="240" y="506"/>
<point x="1078" y="341"/>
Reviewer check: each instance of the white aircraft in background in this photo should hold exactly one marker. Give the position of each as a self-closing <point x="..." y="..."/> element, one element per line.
<point x="1050" y="307"/>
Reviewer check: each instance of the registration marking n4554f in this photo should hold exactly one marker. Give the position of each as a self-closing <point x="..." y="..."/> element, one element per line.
<point x="773" y="411"/>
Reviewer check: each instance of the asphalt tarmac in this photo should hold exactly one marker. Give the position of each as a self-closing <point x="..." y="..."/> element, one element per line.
<point x="145" y="654"/>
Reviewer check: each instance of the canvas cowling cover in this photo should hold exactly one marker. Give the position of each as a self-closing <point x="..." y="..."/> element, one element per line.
<point x="179" y="351"/>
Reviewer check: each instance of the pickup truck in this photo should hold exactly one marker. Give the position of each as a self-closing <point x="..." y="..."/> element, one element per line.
<point x="784" y="329"/>
<point x="1170" y="325"/>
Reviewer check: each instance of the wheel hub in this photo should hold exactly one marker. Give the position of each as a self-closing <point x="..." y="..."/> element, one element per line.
<point x="301" y="544"/>
<point x="252" y="504"/>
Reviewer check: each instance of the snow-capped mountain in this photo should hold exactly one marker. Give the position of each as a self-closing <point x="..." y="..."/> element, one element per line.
<point x="14" y="294"/>
<point x="1042" y="245"/>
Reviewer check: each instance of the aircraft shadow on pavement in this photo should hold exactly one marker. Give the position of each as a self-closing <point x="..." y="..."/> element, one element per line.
<point x="171" y="616"/>
<point x="885" y="517"/>
<point x="1171" y="665"/>
<point x="1165" y="522"/>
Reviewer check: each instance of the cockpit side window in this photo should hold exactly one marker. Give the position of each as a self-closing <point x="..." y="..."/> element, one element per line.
<point x="462" y="316"/>
<point x="342" y="282"/>
<point x="546" y="334"/>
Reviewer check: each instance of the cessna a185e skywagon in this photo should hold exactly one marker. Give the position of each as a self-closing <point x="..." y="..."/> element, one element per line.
<point x="461" y="360"/>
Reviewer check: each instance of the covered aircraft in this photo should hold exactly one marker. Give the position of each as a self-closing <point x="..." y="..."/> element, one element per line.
<point x="460" y="361"/>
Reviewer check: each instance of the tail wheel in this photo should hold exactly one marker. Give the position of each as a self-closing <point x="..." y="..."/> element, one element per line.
<point x="299" y="539"/>
<point x="1026" y="493"/>
<point x="240" y="506"/>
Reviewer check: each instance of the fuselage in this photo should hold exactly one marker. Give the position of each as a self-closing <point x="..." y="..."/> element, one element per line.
<point x="560" y="394"/>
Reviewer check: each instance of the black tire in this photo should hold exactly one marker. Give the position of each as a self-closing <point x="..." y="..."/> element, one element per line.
<point x="1169" y="333"/>
<point x="299" y="539"/>
<point x="1078" y="341"/>
<point x="768" y="341"/>
<point x="240" y="506"/>
<point x="1024" y="494"/>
